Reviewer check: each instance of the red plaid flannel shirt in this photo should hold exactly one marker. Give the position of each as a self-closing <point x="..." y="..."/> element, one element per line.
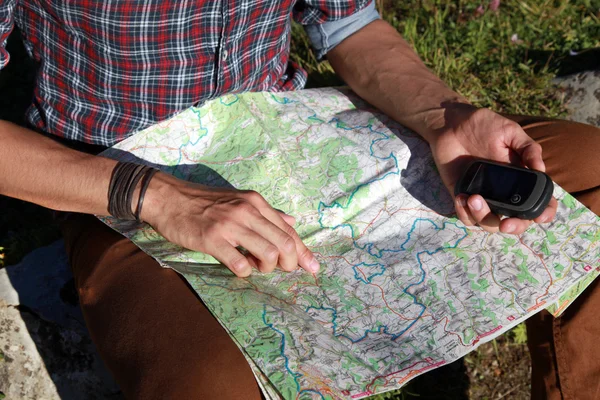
<point x="108" y="68"/>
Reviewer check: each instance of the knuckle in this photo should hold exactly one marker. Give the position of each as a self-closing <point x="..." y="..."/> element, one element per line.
<point x="213" y="231"/>
<point x="288" y="267"/>
<point x="245" y="208"/>
<point x="252" y="195"/>
<point x="305" y="254"/>
<point x="289" y="245"/>
<point x="509" y="125"/>
<point x="535" y="149"/>
<point x="513" y="126"/>
<point x="271" y="254"/>
<point x="201" y="246"/>
<point x="290" y="231"/>
<point x="239" y="264"/>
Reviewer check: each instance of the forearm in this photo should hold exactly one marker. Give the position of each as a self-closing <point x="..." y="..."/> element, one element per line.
<point x="383" y="69"/>
<point x="37" y="169"/>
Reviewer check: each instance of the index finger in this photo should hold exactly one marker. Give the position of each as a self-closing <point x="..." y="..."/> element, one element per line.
<point x="306" y="259"/>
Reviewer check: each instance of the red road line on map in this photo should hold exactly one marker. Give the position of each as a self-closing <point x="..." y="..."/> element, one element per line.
<point x="545" y="267"/>
<point x="324" y="383"/>
<point x="261" y="292"/>
<point x="383" y="298"/>
<point x="370" y="223"/>
<point x="382" y="291"/>
<point x="298" y="283"/>
<point x="370" y="385"/>
<point x="451" y="332"/>
<point x="308" y="128"/>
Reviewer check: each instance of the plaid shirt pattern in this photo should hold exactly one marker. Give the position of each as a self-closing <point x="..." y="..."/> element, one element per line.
<point x="113" y="67"/>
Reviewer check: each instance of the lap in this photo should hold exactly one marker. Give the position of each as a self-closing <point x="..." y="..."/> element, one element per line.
<point x="155" y="335"/>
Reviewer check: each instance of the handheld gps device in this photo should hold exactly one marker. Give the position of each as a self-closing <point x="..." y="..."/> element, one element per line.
<point x="508" y="190"/>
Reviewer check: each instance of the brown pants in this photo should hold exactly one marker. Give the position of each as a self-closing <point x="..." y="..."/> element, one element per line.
<point x="160" y="341"/>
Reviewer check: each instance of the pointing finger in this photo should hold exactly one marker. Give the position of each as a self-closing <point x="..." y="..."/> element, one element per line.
<point x="285" y="244"/>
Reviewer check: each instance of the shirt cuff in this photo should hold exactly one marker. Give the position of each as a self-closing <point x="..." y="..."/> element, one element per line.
<point x="327" y="35"/>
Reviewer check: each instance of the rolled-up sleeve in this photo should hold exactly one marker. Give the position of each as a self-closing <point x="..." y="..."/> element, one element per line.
<point x="329" y="22"/>
<point x="7" y="23"/>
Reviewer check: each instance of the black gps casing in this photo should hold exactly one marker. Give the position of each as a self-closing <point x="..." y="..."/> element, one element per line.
<point x="509" y="190"/>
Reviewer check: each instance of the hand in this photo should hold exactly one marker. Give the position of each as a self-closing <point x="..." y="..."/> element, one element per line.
<point x="480" y="133"/>
<point x="216" y="221"/>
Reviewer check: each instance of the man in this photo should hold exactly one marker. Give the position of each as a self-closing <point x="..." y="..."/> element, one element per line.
<point x="110" y="68"/>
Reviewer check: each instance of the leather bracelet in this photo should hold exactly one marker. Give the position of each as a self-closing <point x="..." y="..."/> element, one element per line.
<point x="145" y="183"/>
<point x="130" y="185"/>
<point x="115" y="189"/>
<point x="124" y="180"/>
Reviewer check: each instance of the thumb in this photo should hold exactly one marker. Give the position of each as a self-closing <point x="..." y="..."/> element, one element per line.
<point x="529" y="151"/>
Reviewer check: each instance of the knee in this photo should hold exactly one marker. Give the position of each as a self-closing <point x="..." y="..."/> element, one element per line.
<point x="570" y="151"/>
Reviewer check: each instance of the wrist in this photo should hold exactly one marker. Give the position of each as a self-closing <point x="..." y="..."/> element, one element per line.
<point x="157" y="193"/>
<point x="445" y="119"/>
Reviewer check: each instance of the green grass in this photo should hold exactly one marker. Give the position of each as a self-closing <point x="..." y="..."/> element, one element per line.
<point x="475" y="55"/>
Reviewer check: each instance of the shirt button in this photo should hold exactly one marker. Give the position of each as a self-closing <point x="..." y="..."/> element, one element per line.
<point x="225" y="54"/>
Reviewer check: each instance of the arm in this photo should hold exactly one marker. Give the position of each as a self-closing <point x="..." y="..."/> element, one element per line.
<point x="382" y="68"/>
<point x="37" y="169"/>
<point x="214" y="221"/>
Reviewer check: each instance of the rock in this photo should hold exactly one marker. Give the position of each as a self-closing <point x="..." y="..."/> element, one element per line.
<point x="47" y="352"/>
<point x="23" y="374"/>
<point x="582" y="96"/>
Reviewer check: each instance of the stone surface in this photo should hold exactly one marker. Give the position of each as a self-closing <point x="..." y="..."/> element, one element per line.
<point x="582" y="96"/>
<point x="47" y="352"/>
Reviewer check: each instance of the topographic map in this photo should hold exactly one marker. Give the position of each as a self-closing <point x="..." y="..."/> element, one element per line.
<point x="403" y="288"/>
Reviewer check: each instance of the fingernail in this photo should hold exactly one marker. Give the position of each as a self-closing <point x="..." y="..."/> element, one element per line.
<point x="543" y="219"/>
<point x="476" y="204"/>
<point x="461" y="201"/>
<point x="509" y="228"/>
<point x="314" y="265"/>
